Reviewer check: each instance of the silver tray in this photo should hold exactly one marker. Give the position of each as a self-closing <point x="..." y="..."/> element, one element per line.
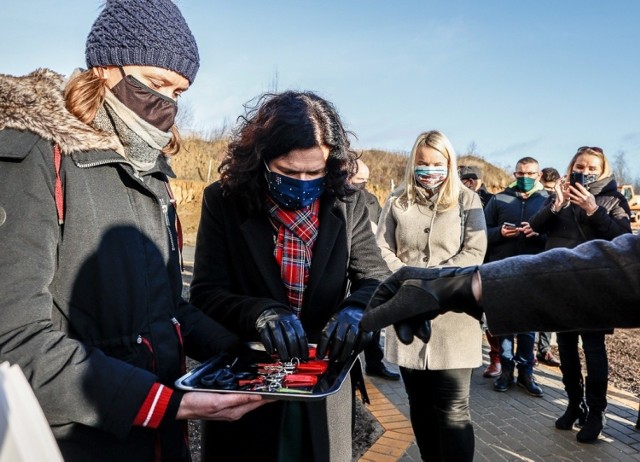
<point x="328" y="383"/>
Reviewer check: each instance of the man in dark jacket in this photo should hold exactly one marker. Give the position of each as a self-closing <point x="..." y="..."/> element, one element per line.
<point x="91" y="305"/>
<point x="509" y="234"/>
<point x="471" y="177"/>
<point x="550" y="176"/>
<point x="373" y="353"/>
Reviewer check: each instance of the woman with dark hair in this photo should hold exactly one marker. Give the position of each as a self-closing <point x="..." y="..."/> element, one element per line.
<point x="586" y="205"/>
<point x="285" y="255"/>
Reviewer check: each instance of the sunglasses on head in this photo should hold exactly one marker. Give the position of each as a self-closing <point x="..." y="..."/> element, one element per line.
<point x="593" y="148"/>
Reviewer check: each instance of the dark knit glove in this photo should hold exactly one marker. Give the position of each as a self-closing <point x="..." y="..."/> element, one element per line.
<point x="411" y="292"/>
<point x="282" y="333"/>
<point x="342" y="336"/>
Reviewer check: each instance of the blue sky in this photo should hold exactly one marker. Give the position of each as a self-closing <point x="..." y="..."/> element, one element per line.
<point x="514" y="78"/>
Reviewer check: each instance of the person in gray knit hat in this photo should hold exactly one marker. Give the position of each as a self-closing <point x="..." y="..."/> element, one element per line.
<point x="143" y="32"/>
<point x="92" y="307"/>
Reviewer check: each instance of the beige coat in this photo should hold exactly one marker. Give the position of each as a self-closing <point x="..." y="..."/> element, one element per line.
<point x="419" y="237"/>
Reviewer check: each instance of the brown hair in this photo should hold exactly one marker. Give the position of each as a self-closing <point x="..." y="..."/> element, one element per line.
<point x="84" y="95"/>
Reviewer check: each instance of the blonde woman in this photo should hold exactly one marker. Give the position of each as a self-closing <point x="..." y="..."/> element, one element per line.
<point x="586" y="205"/>
<point x="433" y="220"/>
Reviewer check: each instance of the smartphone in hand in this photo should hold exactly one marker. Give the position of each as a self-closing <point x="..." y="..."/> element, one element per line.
<point x="508" y="225"/>
<point x="576" y="177"/>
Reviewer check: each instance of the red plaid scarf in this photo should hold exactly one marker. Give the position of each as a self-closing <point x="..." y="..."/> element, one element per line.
<point x="297" y="233"/>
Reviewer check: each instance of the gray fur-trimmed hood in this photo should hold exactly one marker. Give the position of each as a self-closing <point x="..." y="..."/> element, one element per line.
<point x="35" y="103"/>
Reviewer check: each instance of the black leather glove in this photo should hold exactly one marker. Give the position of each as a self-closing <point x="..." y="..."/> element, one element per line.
<point x="418" y="326"/>
<point x="411" y="292"/>
<point x="343" y="336"/>
<point x="282" y="333"/>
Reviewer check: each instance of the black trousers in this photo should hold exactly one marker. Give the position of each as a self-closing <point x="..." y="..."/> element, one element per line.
<point x="373" y="352"/>
<point x="595" y="354"/>
<point x="439" y="411"/>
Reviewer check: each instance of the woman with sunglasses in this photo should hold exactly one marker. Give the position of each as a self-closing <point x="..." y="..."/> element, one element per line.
<point x="585" y="205"/>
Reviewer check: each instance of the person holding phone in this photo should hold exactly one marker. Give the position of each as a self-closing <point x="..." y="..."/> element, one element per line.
<point x="588" y="206"/>
<point x="509" y="234"/>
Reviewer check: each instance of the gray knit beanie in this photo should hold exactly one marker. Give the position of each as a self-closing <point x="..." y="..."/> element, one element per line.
<point x="144" y="33"/>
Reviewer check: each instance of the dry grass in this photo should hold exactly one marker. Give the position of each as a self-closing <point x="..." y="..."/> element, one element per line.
<point x="197" y="165"/>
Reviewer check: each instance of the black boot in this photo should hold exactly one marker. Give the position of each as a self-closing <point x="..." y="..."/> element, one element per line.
<point x="596" y="392"/>
<point x="577" y="408"/>
<point x="592" y="427"/>
<point x="504" y="382"/>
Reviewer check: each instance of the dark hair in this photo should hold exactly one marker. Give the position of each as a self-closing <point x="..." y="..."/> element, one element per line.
<point x="549" y="174"/>
<point x="274" y="126"/>
<point x="527" y="160"/>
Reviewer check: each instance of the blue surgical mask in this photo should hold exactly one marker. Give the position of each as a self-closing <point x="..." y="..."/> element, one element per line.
<point x="524" y="183"/>
<point x="292" y="193"/>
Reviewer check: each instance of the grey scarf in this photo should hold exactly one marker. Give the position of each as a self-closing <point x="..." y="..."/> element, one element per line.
<point x="141" y="142"/>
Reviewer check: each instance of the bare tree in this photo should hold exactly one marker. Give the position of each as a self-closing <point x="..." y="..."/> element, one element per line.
<point x="273" y="86"/>
<point x="185" y="117"/>
<point x="621" y="168"/>
<point x="472" y="149"/>
<point x="220" y="132"/>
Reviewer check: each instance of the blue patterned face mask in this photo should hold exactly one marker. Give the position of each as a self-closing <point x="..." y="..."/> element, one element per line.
<point x="524" y="183"/>
<point x="590" y="178"/>
<point x="430" y="177"/>
<point x="292" y="193"/>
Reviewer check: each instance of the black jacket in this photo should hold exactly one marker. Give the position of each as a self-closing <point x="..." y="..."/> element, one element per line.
<point x="571" y="225"/>
<point x="485" y="195"/>
<point x="90" y="309"/>
<point x="373" y="206"/>
<point x="507" y="206"/>
<point x="236" y="277"/>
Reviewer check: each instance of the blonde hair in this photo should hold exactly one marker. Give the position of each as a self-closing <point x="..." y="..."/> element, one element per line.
<point x="592" y="151"/>
<point x="84" y="95"/>
<point x="449" y="191"/>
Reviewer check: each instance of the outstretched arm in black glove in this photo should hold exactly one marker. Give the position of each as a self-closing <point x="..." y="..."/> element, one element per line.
<point x="281" y="332"/>
<point x="418" y="326"/>
<point x="423" y="293"/>
<point x="343" y="336"/>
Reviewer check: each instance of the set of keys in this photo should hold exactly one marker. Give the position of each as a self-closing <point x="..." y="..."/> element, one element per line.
<point x="290" y="376"/>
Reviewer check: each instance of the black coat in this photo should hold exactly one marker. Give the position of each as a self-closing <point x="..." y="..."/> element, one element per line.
<point x="507" y="206"/>
<point x="373" y="206"/>
<point x="236" y="277"/>
<point x="571" y="225"/>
